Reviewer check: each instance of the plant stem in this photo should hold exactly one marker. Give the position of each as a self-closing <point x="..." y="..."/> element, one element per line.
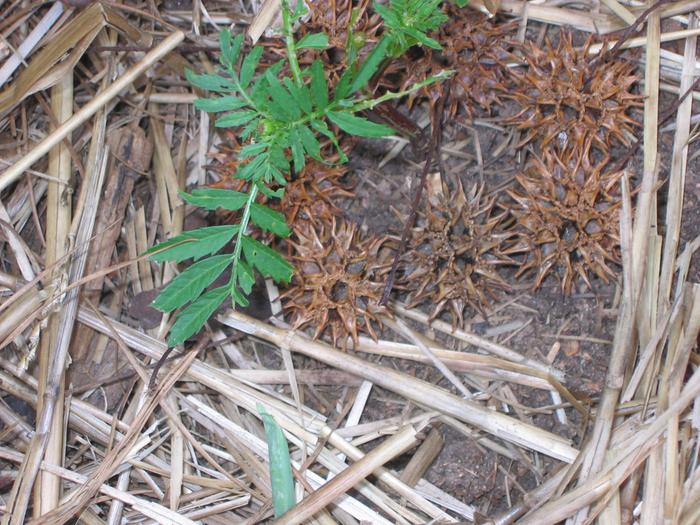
<point x="245" y="219"/>
<point x="291" y="45"/>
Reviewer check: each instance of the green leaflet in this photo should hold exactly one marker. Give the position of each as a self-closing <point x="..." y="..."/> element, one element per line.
<point x="266" y="260"/>
<point x="359" y="126"/>
<point x="319" y="86"/>
<point x="192" y="319"/>
<point x="213" y="198"/>
<point x="237" y="118"/>
<point x="281" y="478"/>
<point x="210" y="82"/>
<point x="269" y="220"/>
<point x="313" y="41"/>
<point x="191" y="283"/>
<point x="250" y="63"/>
<point x="370" y="65"/>
<point x="193" y="244"/>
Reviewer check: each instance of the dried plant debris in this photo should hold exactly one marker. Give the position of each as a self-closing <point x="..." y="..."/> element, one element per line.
<point x="312" y="195"/>
<point x="567" y="210"/>
<point x="478" y="48"/>
<point x="563" y="99"/>
<point x="455" y="252"/>
<point x="350" y="27"/>
<point x="338" y="281"/>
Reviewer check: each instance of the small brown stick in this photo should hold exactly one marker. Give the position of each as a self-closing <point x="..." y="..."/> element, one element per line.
<point x="432" y="152"/>
<point x="663" y="118"/>
<point x="604" y="56"/>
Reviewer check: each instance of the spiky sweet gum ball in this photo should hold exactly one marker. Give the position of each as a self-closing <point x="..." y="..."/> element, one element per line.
<point x="563" y="96"/>
<point x="477" y="48"/>
<point x="567" y="210"/>
<point x="339" y="279"/>
<point x="454" y="254"/>
<point x="312" y="194"/>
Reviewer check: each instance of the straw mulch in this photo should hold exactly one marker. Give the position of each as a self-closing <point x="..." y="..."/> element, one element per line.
<point x="95" y="114"/>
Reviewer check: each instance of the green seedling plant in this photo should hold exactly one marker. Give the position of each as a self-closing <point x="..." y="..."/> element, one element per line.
<point x="281" y="110"/>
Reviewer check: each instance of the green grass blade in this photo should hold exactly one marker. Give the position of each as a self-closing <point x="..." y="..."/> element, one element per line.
<point x="281" y="478"/>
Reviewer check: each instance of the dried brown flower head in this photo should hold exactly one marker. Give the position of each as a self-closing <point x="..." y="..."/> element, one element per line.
<point x="563" y="98"/>
<point x="338" y="280"/>
<point x="567" y="209"/>
<point x="477" y="48"/>
<point x="454" y="254"/>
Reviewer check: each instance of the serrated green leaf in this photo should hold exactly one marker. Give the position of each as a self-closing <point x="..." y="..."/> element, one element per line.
<point x="249" y="129"/>
<point x="342" y="88"/>
<point x="272" y="194"/>
<point x="422" y="38"/>
<point x="193" y="244"/>
<point x="359" y="126"/>
<point x="300" y="94"/>
<point x="281" y="478"/>
<point x="322" y="127"/>
<point x="217" y="104"/>
<point x="235" y="119"/>
<point x="191" y="283"/>
<point x="460" y="3"/>
<point x="269" y="220"/>
<point x="370" y="65"/>
<point x="210" y="82"/>
<point x="318" y="85"/>
<point x="297" y="150"/>
<point x="245" y="276"/>
<point x="225" y="45"/>
<point x="311" y="144"/>
<point x="250" y="64"/>
<point x="248" y="171"/>
<point x="230" y="48"/>
<point x="192" y="318"/>
<point x="266" y="260"/>
<point x="313" y="41"/>
<point x="283" y="100"/>
<point x="251" y="150"/>
<point x="213" y="198"/>
<point x="239" y="297"/>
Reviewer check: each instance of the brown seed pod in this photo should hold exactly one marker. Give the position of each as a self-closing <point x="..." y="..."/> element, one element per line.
<point x="477" y="48"/>
<point x="311" y="195"/>
<point x="563" y="99"/>
<point x="338" y="280"/>
<point x="567" y="209"/>
<point x="455" y="252"/>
